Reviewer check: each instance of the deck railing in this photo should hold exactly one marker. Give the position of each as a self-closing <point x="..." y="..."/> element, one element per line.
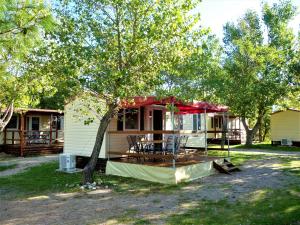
<point x="31" y="137"/>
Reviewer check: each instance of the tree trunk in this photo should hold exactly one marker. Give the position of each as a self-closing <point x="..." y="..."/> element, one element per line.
<point x="90" y="166"/>
<point x="251" y="132"/>
<point x="6" y="116"/>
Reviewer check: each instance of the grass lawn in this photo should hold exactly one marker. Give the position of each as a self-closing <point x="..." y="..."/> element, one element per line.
<point x="44" y="179"/>
<point x="236" y="158"/>
<point x="37" y="180"/>
<point x="263" y="207"/>
<point x="267" y="146"/>
<point x="3" y="168"/>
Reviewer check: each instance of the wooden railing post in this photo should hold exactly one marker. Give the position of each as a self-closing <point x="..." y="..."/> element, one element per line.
<point x="5" y="136"/>
<point x="13" y="137"/>
<point x="50" y="137"/>
<point x="22" y="141"/>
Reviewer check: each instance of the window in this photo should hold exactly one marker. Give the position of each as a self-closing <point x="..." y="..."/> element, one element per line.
<point x="35" y="123"/>
<point x="13" y="123"/>
<point x="131" y="119"/>
<point x="57" y="122"/>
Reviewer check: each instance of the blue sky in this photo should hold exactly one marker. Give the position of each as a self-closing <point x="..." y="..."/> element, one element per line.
<point x="215" y="13"/>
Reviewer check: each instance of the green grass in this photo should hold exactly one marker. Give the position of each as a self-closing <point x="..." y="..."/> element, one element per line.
<point x="38" y="180"/>
<point x="237" y="158"/>
<point x="135" y="186"/>
<point x="44" y="179"/>
<point x="7" y="167"/>
<point x="263" y="207"/>
<point x="266" y="146"/>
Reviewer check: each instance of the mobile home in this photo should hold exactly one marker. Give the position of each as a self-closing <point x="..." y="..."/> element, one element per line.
<point x="285" y="127"/>
<point x="151" y="120"/>
<point x="33" y="132"/>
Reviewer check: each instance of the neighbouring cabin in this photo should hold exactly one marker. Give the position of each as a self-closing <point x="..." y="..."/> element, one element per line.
<point x="285" y="127"/>
<point x="33" y="132"/>
<point x="215" y="126"/>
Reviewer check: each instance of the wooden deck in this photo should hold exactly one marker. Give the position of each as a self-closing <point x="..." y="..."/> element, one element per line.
<point x="34" y="149"/>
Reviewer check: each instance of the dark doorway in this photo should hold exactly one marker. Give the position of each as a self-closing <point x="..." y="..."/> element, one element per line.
<point x="157" y="125"/>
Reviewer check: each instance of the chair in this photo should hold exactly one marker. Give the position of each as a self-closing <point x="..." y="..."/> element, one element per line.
<point x="169" y="144"/>
<point x="183" y="142"/>
<point x="130" y="143"/>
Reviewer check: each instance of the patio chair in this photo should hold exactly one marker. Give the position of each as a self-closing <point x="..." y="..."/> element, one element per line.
<point x="133" y="143"/>
<point x="169" y="145"/>
<point x="183" y="142"/>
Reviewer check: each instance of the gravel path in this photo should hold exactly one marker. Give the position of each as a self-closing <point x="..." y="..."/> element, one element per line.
<point x="24" y="163"/>
<point x="99" y="206"/>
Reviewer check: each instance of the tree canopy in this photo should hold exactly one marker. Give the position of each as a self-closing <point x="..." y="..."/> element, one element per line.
<point x="21" y="27"/>
<point x="119" y="49"/>
<point x="258" y="72"/>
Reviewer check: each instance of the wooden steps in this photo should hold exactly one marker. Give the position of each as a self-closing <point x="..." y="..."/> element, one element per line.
<point x="225" y="167"/>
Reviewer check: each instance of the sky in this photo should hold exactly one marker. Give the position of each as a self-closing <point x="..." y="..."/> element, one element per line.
<point x="215" y="13"/>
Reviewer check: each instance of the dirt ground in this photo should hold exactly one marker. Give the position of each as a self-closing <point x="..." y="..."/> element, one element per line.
<point x="100" y="206"/>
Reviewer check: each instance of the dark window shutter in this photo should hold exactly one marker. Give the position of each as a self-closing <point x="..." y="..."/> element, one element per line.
<point x="181" y="122"/>
<point x="120" y="120"/>
<point x="199" y="121"/>
<point x="142" y="118"/>
<point x="194" y="122"/>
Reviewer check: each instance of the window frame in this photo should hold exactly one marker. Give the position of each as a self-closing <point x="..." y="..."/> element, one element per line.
<point x="17" y="124"/>
<point x="29" y="128"/>
<point x="124" y="120"/>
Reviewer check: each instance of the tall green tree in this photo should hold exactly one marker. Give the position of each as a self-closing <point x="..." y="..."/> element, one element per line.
<point x="118" y="49"/>
<point x="21" y="26"/>
<point x="257" y="68"/>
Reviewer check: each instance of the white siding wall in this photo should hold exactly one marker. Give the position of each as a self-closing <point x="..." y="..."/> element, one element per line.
<point x="80" y="138"/>
<point x="285" y="125"/>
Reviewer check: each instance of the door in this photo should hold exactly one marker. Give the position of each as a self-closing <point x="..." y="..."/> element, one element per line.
<point x="157" y="125"/>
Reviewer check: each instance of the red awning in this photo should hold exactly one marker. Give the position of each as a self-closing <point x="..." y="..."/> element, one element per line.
<point x="183" y="108"/>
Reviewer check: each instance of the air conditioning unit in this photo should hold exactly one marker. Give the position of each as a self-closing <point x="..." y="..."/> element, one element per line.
<point x="286" y="142"/>
<point x="67" y="163"/>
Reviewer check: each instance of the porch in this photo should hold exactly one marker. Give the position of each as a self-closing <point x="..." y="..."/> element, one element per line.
<point x="33" y="132"/>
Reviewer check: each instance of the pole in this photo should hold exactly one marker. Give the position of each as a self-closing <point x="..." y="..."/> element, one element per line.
<point x="205" y="127"/>
<point x="228" y="134"/>
<point x="173" y="128"/>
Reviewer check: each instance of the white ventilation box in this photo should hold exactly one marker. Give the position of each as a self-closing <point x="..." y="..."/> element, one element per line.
<point x="286" y="142"/>
<point x="67" y="162"/>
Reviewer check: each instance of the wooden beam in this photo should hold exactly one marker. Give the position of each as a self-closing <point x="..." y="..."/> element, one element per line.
<point x="50" y="137"/>
<point x="144" y="132"/>
<point x="5" y="136"/>
<point x="22" y="140"/>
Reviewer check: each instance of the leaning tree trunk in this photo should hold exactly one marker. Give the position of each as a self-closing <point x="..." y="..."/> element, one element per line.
<point x="6" y="116"/>
<point x="91" y="165"/>
<point x="251" y="132"/>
